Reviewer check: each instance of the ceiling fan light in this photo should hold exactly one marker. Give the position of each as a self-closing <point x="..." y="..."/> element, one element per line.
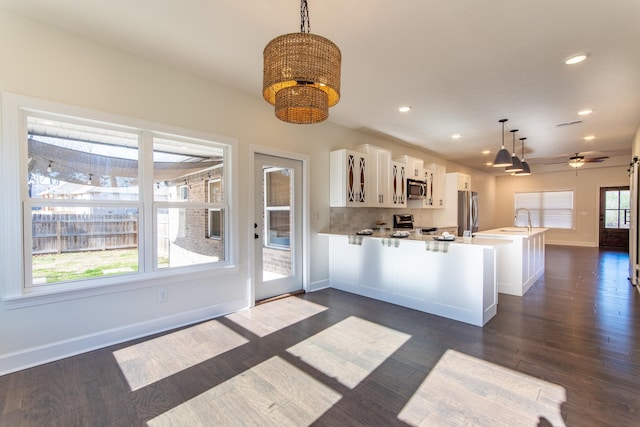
<point x="576" y="163"/>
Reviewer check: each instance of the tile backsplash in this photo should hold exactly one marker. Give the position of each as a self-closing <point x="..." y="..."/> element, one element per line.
<point x="348" y="220"/>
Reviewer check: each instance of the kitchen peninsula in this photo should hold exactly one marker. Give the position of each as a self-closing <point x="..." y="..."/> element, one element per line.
<point x="521" y="261"/>
<point x="454" y="279"/>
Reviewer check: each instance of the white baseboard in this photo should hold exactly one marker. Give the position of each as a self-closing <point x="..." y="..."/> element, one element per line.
<point x="318" y="285"/>
<point x="24" y="359"/>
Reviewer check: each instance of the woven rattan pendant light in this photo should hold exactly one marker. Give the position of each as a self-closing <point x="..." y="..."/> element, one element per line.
<point x="301" y="74"/>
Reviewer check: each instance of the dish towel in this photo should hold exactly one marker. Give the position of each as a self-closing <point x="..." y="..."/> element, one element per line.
<point x="390" y="242"/>
<point x="355" y="240"/>
<point x="437" y="246"/>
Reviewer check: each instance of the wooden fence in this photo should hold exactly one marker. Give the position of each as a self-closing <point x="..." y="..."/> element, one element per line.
<point x="58" y="233"/>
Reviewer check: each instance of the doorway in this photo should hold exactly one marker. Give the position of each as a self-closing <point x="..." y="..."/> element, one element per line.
<point x="615" y="204"/>
<point x="278" y="226"/>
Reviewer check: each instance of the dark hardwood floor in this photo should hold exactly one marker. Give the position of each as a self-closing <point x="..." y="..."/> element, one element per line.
<point x="578" y="328"/>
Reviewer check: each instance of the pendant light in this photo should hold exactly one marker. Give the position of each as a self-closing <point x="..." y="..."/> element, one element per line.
<point x="516" y="165"/>
<point x="503" y="158"/>
<point x="526" y="170"/>
<point x="301" y="75"/>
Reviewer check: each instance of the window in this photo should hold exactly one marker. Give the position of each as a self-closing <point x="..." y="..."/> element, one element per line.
<point x="551" y="209"/>
<point x="616" y="210"/>
<point x="277" y="207"/>
<point x="103" y="199"/>
<point x="216" y="221"/>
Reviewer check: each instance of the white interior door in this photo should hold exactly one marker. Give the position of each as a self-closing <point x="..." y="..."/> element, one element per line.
<point x="278" y="226"/>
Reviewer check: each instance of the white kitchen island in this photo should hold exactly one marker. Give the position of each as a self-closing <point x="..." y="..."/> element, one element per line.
<point x="456" y="280"/>
<point x="521" y="262"/>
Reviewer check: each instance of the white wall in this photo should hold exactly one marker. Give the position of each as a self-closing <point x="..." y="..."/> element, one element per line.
<point x="586" y="184"/>
<point x="52" y="65"/>
<point x="45" y="63"/>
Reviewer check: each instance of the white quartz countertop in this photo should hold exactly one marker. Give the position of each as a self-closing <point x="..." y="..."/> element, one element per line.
<point x="510" y="232"/>
<point x="415" y="237"/>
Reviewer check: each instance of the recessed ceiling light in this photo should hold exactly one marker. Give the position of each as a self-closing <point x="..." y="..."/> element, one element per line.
<point x="456" y="136"/>
<point x="585" y="112"/>
<point x="404" y="108"/>
<point x="486" y="151"/>
<point x="489" y="164"/>
<point x="576" y="59"/>
<point x="589" y="138"/>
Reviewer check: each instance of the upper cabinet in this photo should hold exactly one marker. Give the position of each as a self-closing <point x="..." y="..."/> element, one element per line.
<point x="398" y="184"/>
<point x="378" y="175"/>
<point x="365" y="176"/>
<point x="435" y="176"/>
<point x="348" y="179"/>
<point x="464" y="182"/>
<point x="415" y="167"/>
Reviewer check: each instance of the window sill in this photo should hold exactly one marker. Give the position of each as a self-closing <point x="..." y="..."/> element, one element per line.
<point x="40" y="295"/>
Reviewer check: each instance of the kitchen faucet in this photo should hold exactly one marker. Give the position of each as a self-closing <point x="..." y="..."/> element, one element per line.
<point x="515" y="218"/>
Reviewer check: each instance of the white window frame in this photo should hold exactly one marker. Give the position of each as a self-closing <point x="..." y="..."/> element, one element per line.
<point x="267" y="219"/>
<point x="537" y="211"/>
<point x="219" y="223"/>
<point x="13" y="189"/>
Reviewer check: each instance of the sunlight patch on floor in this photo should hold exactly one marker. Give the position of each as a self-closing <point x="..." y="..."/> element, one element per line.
<point x="150" y="361"/>
<point x="273" y="393"/>
<point x="464" y="390"/>
<point x="349" y="350"/>
<point x="267" y="318"/>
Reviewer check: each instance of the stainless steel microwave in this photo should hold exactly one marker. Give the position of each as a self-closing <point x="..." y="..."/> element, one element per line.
<point x="416" y="189"/>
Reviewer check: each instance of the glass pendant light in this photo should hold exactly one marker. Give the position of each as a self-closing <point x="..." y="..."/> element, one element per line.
<point x="516" y="165"/>
<point x="503" y="158"/>
<point x="526" y="170"/>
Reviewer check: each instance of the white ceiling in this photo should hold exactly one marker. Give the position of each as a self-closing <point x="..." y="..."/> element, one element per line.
<point x="461" y="64"/>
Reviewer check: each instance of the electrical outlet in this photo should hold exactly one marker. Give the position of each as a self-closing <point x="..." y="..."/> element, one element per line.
<point x="163" y="295"/>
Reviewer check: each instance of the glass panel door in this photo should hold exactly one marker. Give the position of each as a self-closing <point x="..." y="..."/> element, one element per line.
<point x="278" y="226"/>
<point x="615" y="203"/>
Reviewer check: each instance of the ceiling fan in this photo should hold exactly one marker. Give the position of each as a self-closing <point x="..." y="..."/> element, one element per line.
<point x="578" y="160"/>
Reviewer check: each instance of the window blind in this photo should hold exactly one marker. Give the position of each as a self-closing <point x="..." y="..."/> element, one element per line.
<point x="551" y="209"/>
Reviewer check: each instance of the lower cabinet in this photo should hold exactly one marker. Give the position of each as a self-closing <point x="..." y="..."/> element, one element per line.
<point x="455" y="280"/>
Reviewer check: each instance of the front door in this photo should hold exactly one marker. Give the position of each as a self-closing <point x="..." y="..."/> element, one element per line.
<point x="614" y="217"/>
<point x="278" y="226"/>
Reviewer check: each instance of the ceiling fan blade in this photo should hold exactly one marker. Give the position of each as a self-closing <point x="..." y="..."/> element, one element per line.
<point x="595" y="159"/>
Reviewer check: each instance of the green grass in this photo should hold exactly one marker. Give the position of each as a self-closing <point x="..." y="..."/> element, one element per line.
<point x="83" y="265"/>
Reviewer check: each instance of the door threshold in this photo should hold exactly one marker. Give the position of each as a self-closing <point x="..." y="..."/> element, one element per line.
<point x="277" y="297"/>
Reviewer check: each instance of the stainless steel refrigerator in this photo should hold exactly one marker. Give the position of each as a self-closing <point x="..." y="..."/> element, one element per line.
<point x="467" y="211"/>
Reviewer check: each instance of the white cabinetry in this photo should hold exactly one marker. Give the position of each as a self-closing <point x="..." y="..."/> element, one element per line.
<point x="464" y="182"/>
<point x="398" y="184"/>
<point x="521" y="262"/>
<point x="415" y="167"/>
<point x="378" y="175"/>
<point x="459" y="284"/>
<point x="435" y="176"/>
<point x="348" y="182"/>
